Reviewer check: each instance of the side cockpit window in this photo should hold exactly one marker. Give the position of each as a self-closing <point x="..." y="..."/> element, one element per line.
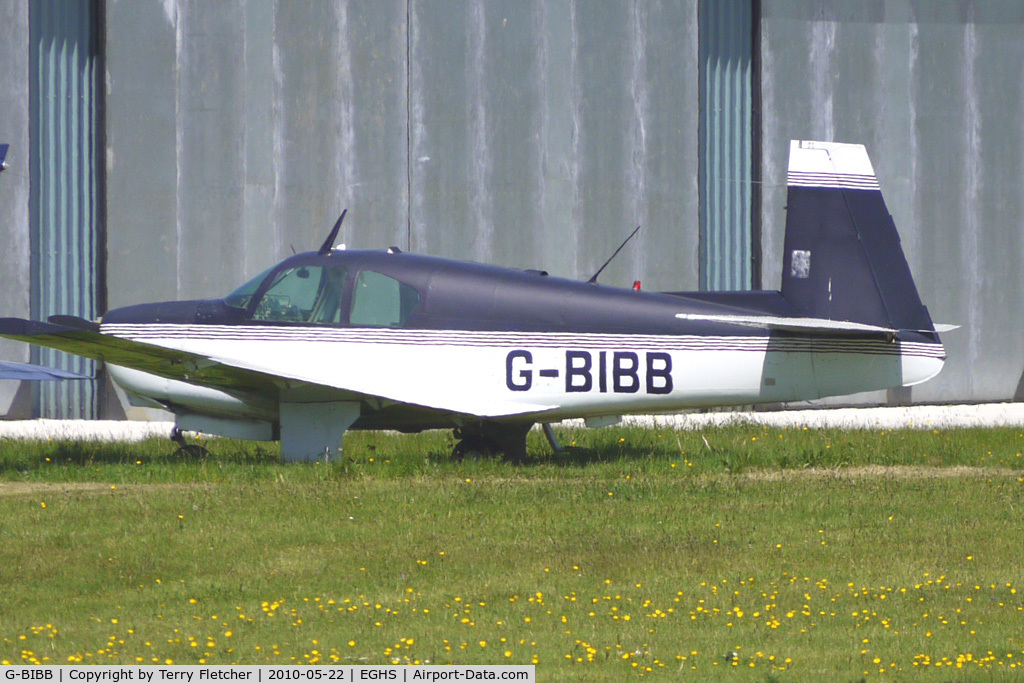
<point x="381" y="301"/>
<point x="304" y="294"/>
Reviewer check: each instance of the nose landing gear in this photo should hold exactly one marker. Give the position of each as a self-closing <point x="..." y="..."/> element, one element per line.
<point x="186" y="450"/>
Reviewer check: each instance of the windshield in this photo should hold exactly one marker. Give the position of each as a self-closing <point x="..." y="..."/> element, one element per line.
<point x="240" y="297"/>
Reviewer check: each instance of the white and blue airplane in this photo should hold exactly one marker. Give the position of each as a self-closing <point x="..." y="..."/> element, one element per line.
<point x="338" y="339"/>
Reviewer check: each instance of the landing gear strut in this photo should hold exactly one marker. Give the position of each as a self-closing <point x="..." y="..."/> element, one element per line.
<point x="491" y="438"/>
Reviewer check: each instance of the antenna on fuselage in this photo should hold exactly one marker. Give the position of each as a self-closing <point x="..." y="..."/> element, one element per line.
<point x="593" y="280"/>
<point x="328" y="244"/>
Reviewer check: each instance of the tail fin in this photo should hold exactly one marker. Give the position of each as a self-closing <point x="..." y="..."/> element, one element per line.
<point x="843" y="259"/>
<point x="3" y="156"/>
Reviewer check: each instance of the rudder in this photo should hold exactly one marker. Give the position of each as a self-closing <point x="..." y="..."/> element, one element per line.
<point x="843" y="260"/>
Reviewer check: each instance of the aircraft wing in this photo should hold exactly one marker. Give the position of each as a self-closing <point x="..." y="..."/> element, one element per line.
<point x="29" y="371"/>
<point x="811" y="325"/>
<point x="83" y="338"/>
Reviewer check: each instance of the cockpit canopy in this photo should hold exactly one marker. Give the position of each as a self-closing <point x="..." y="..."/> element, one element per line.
<point x="323" y="293"/>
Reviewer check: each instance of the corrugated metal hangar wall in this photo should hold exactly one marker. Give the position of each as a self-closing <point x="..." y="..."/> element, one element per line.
<point x="537" y="134"/>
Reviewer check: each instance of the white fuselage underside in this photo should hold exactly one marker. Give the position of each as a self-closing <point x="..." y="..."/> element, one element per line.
<point x="546" y="376"/>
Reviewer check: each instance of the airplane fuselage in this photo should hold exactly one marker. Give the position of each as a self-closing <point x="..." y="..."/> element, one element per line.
<point x="512" y="345"/>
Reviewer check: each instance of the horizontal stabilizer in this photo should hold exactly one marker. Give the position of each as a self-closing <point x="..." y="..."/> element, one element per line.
<point x="811" y="325"/>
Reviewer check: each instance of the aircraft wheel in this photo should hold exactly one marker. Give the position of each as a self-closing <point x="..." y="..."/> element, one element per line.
<point x="185" y="449"/>
<point x="488" y="439"/>
<point x="472" y="445"/>
<point x="191" y="451"/>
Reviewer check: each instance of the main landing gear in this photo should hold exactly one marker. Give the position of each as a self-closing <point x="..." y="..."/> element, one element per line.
<point x="491" y="438"/>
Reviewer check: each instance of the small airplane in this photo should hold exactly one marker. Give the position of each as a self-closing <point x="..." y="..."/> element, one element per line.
<point x="338" y="339"/>
<point x="29" y="371"/>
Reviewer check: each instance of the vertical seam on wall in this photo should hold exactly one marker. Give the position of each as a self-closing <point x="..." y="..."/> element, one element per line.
<point x="100" y="144"/>
<point x="408" y="125"/>
<point x="701" y="152"/>
<point x="34" y="187"/>
<point x="99" y="129"/>
<point x="755" y="149"/>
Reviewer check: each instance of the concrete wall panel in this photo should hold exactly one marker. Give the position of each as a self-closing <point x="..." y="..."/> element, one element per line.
<point x="141" y="155"/>
<point x="209" y="125"/>
<point x="527" y="134"/>
<point x="935" y="90"/>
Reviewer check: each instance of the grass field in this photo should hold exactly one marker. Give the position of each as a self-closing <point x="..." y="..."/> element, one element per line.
<point x="739" y="553"/>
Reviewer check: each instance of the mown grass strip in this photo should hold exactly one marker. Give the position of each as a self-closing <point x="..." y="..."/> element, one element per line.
<point x="735" y="553"/>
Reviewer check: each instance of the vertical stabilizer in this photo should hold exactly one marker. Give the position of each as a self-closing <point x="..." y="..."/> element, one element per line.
<point x="843" y="260"/>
